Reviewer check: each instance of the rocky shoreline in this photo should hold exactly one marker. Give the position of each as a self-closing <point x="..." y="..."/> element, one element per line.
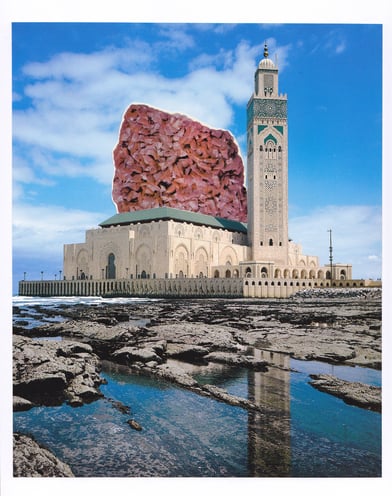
<point x="353" y="393"/>
<point x="33" y="460"/>
<point x="61" y="361"/>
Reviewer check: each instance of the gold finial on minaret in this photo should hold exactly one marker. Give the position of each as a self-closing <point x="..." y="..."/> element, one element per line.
<point x="265" y="50"/>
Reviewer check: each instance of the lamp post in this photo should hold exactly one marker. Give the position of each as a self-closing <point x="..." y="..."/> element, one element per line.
<point x="60" y="272"/>
<point x="330" y="252"/>
<point x="24" y="275"/>
<point x="42" y="275"/>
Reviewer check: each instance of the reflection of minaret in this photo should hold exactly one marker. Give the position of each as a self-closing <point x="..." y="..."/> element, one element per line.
<point x="269" y="432"/>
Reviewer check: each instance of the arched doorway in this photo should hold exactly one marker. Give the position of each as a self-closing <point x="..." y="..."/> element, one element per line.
<point x="111" y="267"/>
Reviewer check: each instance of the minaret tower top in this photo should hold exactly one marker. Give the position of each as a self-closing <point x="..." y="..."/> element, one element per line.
<point x="267" y="72"/>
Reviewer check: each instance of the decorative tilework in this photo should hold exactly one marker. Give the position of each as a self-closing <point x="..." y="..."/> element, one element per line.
<point x="271" y="205"/>
<point x="270" y="185"/>
<point x="268" y="107"/>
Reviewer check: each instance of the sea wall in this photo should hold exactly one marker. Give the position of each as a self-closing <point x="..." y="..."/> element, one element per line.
<point x="184" y="287"/>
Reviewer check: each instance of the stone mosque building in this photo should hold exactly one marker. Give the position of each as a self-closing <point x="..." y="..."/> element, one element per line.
<point x="175" y="251"/>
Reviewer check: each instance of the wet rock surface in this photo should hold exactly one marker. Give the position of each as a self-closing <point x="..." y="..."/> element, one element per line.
<point x="33" y="460"/>
<point x="353" y="393"/>
<point x="53" y="372"/>
<point x="155" y="337"/>
<point x="337" y="326"/>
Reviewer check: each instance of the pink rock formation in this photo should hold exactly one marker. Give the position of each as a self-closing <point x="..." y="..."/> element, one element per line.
<point x="170" y="160"/>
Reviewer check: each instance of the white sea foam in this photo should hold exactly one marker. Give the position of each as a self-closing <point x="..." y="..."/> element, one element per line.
<point x="71" y="300"/>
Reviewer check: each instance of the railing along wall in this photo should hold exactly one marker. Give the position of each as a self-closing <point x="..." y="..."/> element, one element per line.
<point x="181" y="287"/>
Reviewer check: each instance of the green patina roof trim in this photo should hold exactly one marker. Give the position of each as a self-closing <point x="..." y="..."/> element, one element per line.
<point x="270" y="137"/>
<point x="167" y="213"/>
<point x="279" y="128"/>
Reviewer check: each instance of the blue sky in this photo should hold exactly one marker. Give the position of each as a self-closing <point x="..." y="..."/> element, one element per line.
<point x="72" y="82"/>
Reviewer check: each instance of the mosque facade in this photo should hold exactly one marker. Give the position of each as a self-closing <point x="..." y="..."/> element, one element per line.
<point x="166" y="244"/>
<point x="170" y="243"/>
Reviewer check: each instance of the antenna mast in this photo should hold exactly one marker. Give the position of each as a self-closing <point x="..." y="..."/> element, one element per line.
<point x="330" y="252"/>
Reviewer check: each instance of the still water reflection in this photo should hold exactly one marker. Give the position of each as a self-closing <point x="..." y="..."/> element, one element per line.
<point x="304" y="433"/>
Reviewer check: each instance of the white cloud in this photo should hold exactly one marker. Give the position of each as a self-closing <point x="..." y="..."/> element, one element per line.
<point x="88" y="66"/>
<point x="335" y="42"/>
<point x="341" y="47"/>
<point x="77" y="102"/>
<point x="177" y="37"/>
<point x="41" y="231"/>
<point x="356" y="236"/>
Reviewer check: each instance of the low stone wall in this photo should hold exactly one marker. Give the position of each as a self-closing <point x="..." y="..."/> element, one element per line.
<point x="184" y="287"/>
<point x="284" y="288"/>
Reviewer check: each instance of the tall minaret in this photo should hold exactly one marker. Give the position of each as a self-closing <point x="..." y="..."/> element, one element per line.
<point x="267" y="167"/>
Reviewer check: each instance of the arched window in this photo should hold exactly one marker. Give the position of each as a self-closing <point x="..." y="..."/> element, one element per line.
<point x="271" y="242"/>
<point x="270" y="148"/>
<point x="264" y="272"/>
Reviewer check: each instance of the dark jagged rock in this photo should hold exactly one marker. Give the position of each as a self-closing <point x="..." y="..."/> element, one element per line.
<point x="187" y="352"/>
<point x="237" y="360"/>
<point x="129" y="355"/>
<point x="135" y="425"/>
<point x="21" y="404"/>
<point x="33" y="460"/>
<point x="118" y="405"/>
<point x="353" y="393"/>
<point x="345" y="330"/>
<point x="52" y="372"/>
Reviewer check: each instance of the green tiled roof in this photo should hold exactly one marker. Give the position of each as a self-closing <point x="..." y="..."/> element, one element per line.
<point x="166" y="213"/>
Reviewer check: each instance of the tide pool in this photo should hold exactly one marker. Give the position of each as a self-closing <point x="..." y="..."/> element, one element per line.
<point x="312" y="434"/>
